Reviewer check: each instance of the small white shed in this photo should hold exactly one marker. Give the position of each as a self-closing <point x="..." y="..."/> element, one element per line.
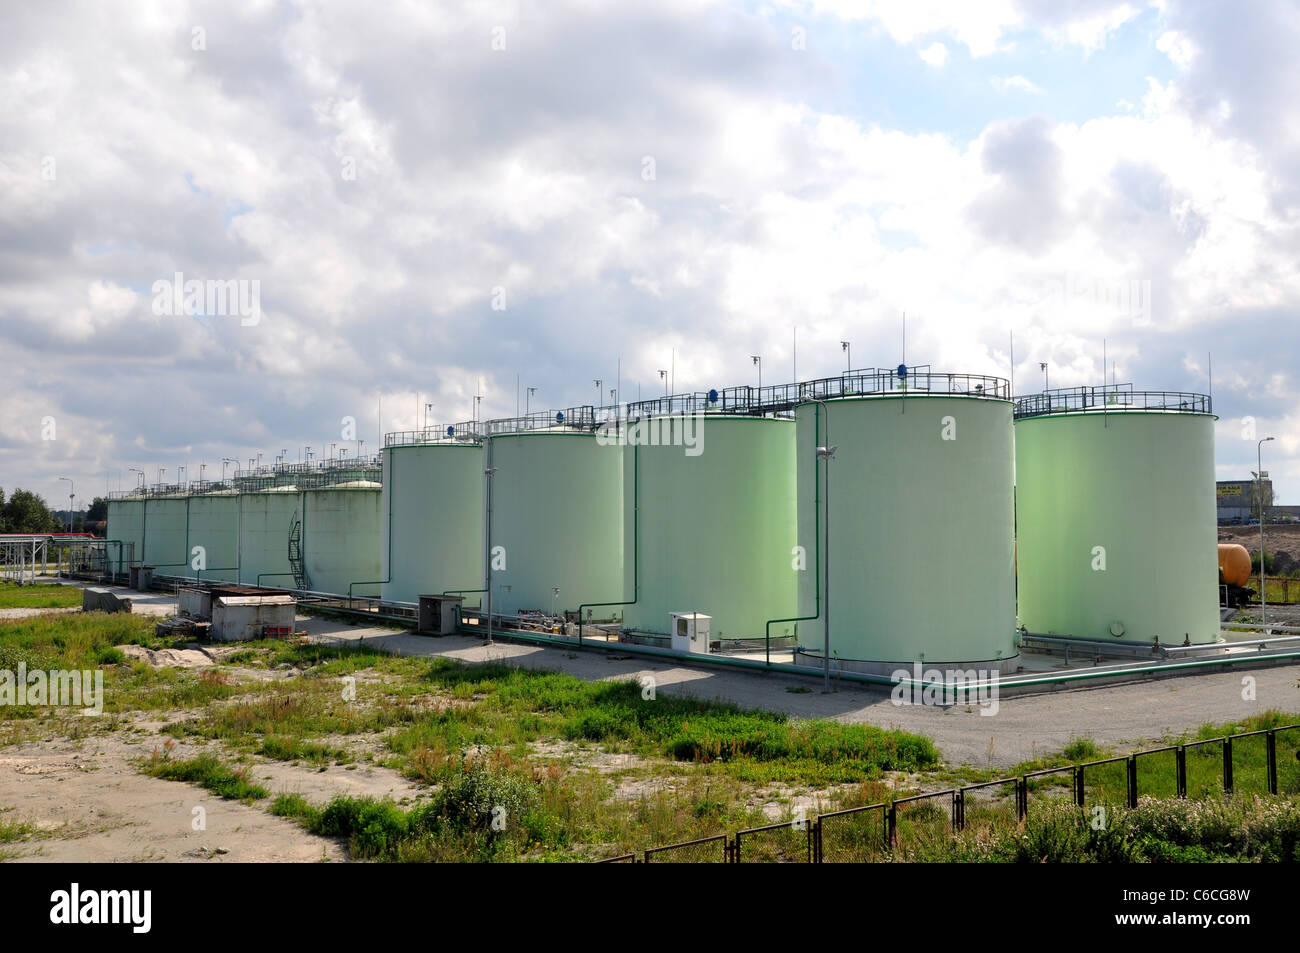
<point x="241" y="618"/>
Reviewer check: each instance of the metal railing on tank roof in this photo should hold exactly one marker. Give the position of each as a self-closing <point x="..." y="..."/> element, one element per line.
<point x="783" y="398"/>
<point x="316" y="466"/>
<point x="1111" y="398"/>
<point x="470" y="431"/>
<point x="572" y="418"/>
<point x="312" y="479"/>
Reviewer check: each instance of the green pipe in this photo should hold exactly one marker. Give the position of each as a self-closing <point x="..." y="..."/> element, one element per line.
<point x="817" y="538"/>
<point x="200" y="572"/>
<point x="392" y="482"/>
<point x="458" y="592"/>
<point x="636" y="543"/>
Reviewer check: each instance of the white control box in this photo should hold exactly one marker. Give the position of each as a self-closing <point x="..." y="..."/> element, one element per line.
<point x="690" y="631"/>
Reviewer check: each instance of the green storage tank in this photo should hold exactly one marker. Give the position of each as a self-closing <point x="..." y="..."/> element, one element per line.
<point x="557" y="515"/>
<point x="266" y="520"/>
<point x="714" y="501"/>
<point x="165" y="521"/>
<point x="214" y="525"/>
<point x="918" y="564"/>
<point x="341" y="534"/>
<point x="1116" y="518"/>
<point x="126" y="523"/>
<point x="431" y="538"/>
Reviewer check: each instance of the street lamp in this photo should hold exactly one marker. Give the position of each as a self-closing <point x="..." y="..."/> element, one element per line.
<point x="1259" y="474"/>
<point x="139" y="471"/>
<point x="487" y="533"/>
<point x="826" y="453"/>
<point x="756" y="359"/>
<point x="663" y="375"/>
<point x="555" y="594"/>
<point x="1042" y="366"/>
<point x="598" y="392"/>
<point x="72" y="492"/>
<point x="224" y="461"/>
<point x="848" y="352"/>
<point x="528" y="399"/>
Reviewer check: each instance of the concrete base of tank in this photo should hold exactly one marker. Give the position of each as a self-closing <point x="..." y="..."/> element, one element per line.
<point x="1003" y="666"/>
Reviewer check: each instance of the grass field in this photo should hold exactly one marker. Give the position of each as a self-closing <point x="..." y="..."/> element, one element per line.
<point x="520" y="764"/>
<point x="44" y="596"/>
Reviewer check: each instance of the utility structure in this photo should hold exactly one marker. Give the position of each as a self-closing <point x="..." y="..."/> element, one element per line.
<point x="1259" y="475"/>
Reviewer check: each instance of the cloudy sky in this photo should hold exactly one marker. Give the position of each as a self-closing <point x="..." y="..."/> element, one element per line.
<point x="439" y="199"/>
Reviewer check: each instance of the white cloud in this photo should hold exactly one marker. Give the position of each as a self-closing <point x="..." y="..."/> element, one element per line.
<point x="524" y="170"/>
<point x="1018" y="83"/>
<point x="1179" y="48"/>
<point x="936" y="54"/>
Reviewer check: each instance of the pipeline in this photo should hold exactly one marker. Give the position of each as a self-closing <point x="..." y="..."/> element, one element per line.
<point x="1013" y="681"/>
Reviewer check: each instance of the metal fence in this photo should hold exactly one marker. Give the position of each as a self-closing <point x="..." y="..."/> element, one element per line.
<point x="1264" y="762"/>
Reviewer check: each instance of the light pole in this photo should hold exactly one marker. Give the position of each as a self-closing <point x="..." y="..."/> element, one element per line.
<point x="202" y="468"/>
<point x="598" y="392"/>
<point x="528" y="400"/>
<point x="1042" y="366"/>
<point x="427" y="408"/>
<point x="72" y="492"/>
<point x="848" y="358"/>
<point x="826" y="453"/>
<point x="663" y="376"/>
<point x="487" y="533"/>
<point x="756" y="359"/>
<point x="161" y="471"/>
<point x="1259" y="474"/>
<point x="555" y="594"/>
<point x="139" y="471"/>
<point x="224" y="462"/>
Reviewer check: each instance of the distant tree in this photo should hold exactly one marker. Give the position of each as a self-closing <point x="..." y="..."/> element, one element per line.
<point x="98" y="510"/>
<point x="26" y="512"/>
<point x="1261" y="499"/>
